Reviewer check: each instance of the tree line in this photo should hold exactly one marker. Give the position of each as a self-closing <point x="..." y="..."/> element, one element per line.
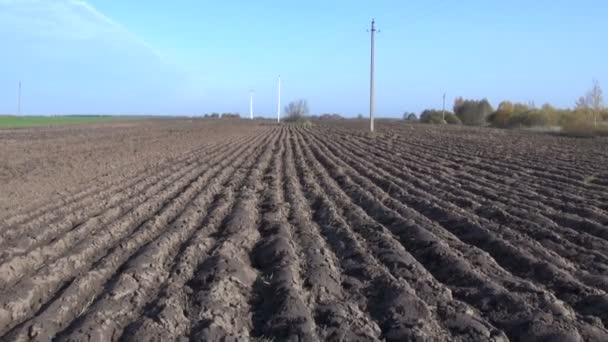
<point x="588" y="116"/>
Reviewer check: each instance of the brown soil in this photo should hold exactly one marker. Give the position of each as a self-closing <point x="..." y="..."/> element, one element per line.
<point x="232" y="230"/>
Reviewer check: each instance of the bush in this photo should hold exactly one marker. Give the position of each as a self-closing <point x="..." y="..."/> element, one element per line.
<point x="330" y="116"/>
<point x="409" y="116"/>
<point x="531" y="118"/>
<point x="432" y="116"/>
<point x="580" y="124"/>
<point x="500" y="118"/>
<point x="509" y="115"/>
<point x="231" y="116"/>
<point x="452" y="119"/>
<point x="296" y="111"/>
<point x="471" y="112"/>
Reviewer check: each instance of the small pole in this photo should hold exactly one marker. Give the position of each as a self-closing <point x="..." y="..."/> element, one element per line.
<point x="371" y="80"/>
<point x="251" y="104"/>
<point x="19" y="100"/>
<point x="443" y="110"/>
<point x="279" y="102"/>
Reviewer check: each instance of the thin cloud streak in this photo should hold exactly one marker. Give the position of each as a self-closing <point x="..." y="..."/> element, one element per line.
<point x="66" y="20"/>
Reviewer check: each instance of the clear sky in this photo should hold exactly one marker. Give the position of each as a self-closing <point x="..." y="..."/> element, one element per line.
<point x="198" y="56"/>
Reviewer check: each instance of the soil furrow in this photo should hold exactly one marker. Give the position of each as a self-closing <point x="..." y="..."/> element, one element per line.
<point x="74" y="210"/>
<point x="551" y="272"/>
<point x="471" y="286"/>
<point x="280" y="308"/>
<point x="220" y="303"/>
<point x="540" y="180"/>
<point x="466" y="201"/>
<point x="142" y="276"/>
<point x="96" y="192"/>
<point x="70" y="228"/>
<point x="512" y="182"/>
<point x="337" y="318"/>
<point x="462" y="321"/>
<point x="399" y="312"/>
<point x="28" y="295"/>
<point x="167" y="316"/>
<point x="531" y="157"/>
<point x="222" y="229"/>
<point x="547" y="228"/>
<point x="23" y="265"/>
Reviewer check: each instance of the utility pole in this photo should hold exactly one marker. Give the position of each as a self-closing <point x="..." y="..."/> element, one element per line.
<point x="443" y="110"/>
<point x="251" y="104"/>
<point x="19" y="100"/>
<point x="371" y="80"/>
<point x="279" y="102"/>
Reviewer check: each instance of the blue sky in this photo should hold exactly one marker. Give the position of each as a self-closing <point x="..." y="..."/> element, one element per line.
<point x="192" y="57"/>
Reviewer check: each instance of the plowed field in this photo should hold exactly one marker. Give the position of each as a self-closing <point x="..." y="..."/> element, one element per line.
<point x="245" y="231"/>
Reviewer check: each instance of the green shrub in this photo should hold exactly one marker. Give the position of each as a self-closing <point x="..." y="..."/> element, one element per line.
<point x="410" y="116"/>
<point x="432" y="116"/>
<point x="452" y="119"/>
<point x="531" y="118"/>
<point x="580" y="123"/>
<point x="471" y="112"/>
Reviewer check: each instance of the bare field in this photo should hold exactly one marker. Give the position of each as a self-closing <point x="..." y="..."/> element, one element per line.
<point x="211" y="230"/>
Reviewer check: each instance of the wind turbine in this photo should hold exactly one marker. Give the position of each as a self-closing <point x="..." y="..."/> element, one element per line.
<point x="251" y="104"/>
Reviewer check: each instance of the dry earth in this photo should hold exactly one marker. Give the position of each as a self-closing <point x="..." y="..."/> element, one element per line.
<point x="214" y="230"/>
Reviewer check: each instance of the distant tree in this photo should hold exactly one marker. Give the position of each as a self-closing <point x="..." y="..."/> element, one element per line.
<point x="591" y="105"/>
<point x="595" y="100"/>
<point x="547" y="107"/>
<point x="452" y="119"/>
<point x="458" y="103"/>
<point x="472" y="112"/>
<point x="581" y="104"/>
<point x="360" y="116"/>
<point x="432" y="116"/>
<point x="410" y="117"/>
<point x="330" y="116"/>
<point x="231" y="116"/>
<point x="215" y="115"/>
<point x="502" y="115"/>
<point x="519" y="115"/>
<point x="296" y="110"/>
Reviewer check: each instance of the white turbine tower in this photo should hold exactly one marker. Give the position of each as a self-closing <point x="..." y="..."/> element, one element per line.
<point x="19" y="100"/>
<point x="279" y="102"/>
<point x="251" y="104"/>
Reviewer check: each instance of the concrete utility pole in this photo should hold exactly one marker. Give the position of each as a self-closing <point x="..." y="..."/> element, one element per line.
<point x="19" y="100"/>
<point x="371" y="80"/>
<point x="279" y="102"/>
<point x="251" y="104"/>
<point x="443" y="110"/>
